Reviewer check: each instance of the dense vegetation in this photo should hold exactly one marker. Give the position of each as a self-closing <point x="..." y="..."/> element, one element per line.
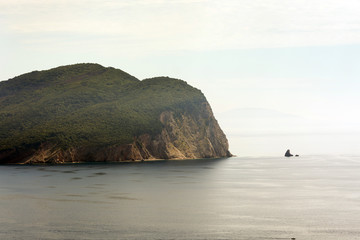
<point x="85" y="105"/>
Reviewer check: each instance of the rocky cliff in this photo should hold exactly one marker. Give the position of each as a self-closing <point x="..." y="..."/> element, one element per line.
<point x="158" y="118"/>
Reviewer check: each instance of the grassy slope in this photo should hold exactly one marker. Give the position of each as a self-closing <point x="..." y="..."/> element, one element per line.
<point x="87" y="104"/>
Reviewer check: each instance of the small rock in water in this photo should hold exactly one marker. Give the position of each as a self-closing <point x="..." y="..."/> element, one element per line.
<point x="288" y="154"/>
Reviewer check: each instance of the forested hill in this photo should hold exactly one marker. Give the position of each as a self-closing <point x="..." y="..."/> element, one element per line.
<point x="86" y="105"/>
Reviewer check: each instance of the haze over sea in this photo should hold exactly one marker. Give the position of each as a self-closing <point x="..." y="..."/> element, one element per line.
<point x="310" y="197"/>
<point x="278" y="74"/>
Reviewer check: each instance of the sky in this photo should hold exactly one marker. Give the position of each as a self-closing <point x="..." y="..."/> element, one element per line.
<point x="278" y="74"/>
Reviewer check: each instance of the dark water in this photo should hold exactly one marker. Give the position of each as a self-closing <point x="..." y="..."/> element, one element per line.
<point x="313" y="197"/>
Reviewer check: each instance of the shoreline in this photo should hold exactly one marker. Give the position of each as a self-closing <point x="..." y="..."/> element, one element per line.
<point x="110" y="162"/>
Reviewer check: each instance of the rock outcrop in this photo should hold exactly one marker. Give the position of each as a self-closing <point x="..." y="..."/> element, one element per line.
<point x="183" y="136"/>
<point x="118" y="127"/>
<point x="288" y="154"/>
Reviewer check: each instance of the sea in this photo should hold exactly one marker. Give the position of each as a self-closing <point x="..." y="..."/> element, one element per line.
<point x="307" y="197"/>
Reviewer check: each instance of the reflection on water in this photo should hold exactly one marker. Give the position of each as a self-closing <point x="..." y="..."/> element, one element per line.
<point x="314" y="197"/>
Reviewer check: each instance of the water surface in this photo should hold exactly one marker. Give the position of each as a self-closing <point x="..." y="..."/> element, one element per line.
<point x="310" y="197"/>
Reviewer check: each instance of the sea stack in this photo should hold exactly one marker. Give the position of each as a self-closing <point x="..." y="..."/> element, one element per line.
<point x="91" y="113"/>
<point x="288" y="154"/>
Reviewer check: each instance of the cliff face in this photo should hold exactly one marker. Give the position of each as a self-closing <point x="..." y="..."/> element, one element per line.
<point x="183" y="136"/>
<point x="164" y="119"/>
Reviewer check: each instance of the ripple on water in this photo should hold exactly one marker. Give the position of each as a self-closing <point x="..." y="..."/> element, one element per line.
<point x="121" y="196"/>
<point x="76" y="178"/>
<point x="74" y="195"/>
<point x="44" y="169"/>
<point x="69" y="171"/>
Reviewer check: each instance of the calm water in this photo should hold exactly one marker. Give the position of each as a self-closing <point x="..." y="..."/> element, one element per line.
<point x="311" y="197"/>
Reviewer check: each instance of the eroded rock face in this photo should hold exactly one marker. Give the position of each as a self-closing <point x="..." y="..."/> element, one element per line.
<point x="183" y="136"/>
<point x="188" y="137"/>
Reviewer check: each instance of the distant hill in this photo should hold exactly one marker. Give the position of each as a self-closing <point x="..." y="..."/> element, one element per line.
<point x="86" y="112"/>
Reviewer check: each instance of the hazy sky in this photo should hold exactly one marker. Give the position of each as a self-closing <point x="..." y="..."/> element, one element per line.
<point x="284" y="66"/>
